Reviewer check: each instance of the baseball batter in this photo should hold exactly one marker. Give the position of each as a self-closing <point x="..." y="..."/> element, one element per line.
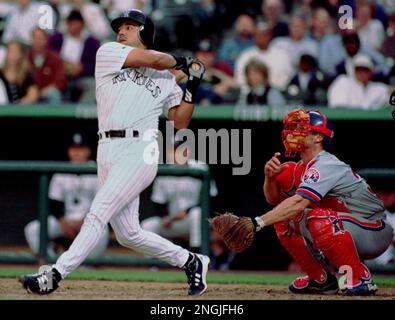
<point x="71" y="196"/>
<point x="133" y="87"/>
<point x="326" y="215"/>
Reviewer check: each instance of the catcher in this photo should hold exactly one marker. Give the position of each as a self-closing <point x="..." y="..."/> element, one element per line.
<point x="325" y="215"/>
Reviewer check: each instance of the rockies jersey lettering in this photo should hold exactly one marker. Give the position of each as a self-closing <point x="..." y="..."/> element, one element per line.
<point x="139" y="79"/>
<point x="131" y="97"/>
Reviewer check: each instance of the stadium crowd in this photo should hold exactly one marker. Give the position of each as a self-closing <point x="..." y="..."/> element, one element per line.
<point x="257" y="52"/>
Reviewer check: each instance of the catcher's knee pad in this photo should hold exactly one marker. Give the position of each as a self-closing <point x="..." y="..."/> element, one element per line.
<point x="296" y="246"/>
<point x="336" y="243"/>
<point x="323" y="224"/>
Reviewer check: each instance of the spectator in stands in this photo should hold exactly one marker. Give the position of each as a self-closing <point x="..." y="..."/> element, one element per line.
<point x="272" y="11"/>
<point x="17" y="77"/>
<point x="258" y="89"/>
<point x="276" y="59"/>
<point x="95" y="19"/>
<point x="388" y="48"/>
<point x="78" y="51"/>
<point x="305" y="8"/>
<point x="115" y="7"/>
<point x="22" y="20"/>
<point x="297" y="43"/>
<point x="241" y="40"/>
<point x="383" y="8"/>
<point x="70" y="197"/>
<point x="47" y="68"/>
<point x="177" y="200"/>
<point x="353" y="46"/>
<point x="358" y="92"/>
<point x="209" y="25"/>
<point x="218" y="85"/>
<point x="370" y="31"/>
<point x="308" y="86"/>
<point x="329" y="44"/>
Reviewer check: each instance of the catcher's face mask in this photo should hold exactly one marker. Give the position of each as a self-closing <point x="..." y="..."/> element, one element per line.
<point x="295" y="131"/>
<point x="298" y="124"/>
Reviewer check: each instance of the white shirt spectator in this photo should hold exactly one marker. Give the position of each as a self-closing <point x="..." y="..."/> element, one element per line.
<point x="21" y="23"/>
<point x="277" y="61"/>
<point x="372" y="34"/>
<point x="346" y="91"/>
<point x="95" y="20"/>
<point x="296" y="48"/>
<point x="72" y="49"/>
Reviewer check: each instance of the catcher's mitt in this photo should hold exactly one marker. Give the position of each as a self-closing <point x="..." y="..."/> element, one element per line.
<point x="237" y="232"/>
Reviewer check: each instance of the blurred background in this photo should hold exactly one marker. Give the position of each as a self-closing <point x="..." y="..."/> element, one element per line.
<point x="263" y="57"/>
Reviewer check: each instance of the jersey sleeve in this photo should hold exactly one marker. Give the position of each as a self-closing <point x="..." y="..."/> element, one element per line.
<point x="318" y="179"/>
<point x="173" y="99"/>
<point x="55" y="188"/>
<point x="110" y="59"/>
<point x="158" y="192"/>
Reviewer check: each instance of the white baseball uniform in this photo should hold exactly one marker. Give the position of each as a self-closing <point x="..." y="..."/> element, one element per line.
<point x="179" y="193"/>
<point x="130" y="99"/>
<point x="77" y="193"/>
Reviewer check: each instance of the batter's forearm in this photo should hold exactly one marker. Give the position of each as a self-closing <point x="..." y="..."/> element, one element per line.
<point x="163" y="61"/>
<point x="182" y="115"/>
<point x="149" y="58"/>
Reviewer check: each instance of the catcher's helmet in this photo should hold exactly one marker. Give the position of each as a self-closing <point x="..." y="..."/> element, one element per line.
<point x="297" y="125"/>
<point x="147" y="27"/>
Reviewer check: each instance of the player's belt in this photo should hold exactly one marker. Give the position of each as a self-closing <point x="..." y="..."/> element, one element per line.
<point x="117" y="134"/>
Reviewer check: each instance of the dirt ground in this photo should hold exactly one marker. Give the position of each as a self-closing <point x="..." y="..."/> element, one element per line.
<point x="120" y="290"/>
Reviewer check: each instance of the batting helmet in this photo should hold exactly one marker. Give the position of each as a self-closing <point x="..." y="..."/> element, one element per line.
<point x="147" y="27"/>
<point x="297" y="125"/>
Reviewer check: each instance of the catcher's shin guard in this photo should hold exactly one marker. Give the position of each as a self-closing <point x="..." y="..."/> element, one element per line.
<point x="297" y="248"/>
<point x="336" y="243"/>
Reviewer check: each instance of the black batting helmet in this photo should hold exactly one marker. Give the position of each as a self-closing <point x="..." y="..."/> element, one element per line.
<point x="147" y="27"/>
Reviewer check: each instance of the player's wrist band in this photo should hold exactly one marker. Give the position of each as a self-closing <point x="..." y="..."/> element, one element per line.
<point x="179" y="62"/>
<point x="260" y="224"/>
<point x="191" y="89"/>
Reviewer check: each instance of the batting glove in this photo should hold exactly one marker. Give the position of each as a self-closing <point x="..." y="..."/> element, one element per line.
<point x="195" y="74"/>
<point x="182" y="63"/>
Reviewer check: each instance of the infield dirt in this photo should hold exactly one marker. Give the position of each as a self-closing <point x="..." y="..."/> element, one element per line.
<point x="121" y="290"/>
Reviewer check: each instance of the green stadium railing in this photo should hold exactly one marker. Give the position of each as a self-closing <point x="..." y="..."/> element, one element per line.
<point x="214" y="112"/>
<point x="44" y="169"/>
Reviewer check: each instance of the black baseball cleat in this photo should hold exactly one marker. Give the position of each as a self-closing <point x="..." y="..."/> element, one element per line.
<point x="44" y="282"/>
<point x="307" y="285"/>
<point x="196" y="271"/>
